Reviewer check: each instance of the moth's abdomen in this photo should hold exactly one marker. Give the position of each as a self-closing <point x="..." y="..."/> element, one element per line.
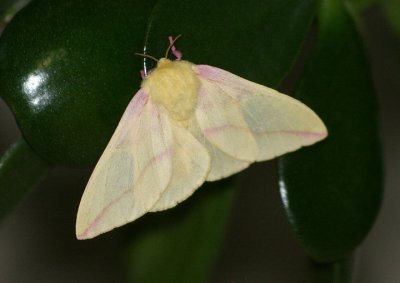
<point x="174" y="85"/>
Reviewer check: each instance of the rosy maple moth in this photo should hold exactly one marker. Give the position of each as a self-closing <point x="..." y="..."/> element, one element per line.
<point x="186" y="125"/>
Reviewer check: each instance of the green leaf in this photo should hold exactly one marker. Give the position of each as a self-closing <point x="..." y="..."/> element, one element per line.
<point x="332" y="191"/>
<point x="68" y="70"/>
<point x="248" y="38"/>
<point x="180" y="245"/>
<point x="20" y="170"/>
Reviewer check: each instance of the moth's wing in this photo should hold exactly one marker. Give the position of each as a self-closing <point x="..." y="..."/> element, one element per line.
<point x="222" y="164"/>
<point x="190" y="167"/>
<point x="133" y="171"/>
<point x="279" y="123"/>
<point x="222" y="123"/>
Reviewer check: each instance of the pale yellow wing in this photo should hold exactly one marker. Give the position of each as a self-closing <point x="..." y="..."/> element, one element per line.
<point x="132" y="173"/>
<point x="279" y="123"/>
<point x="222" y="123"/>
<point x="191" y="164"/>
<point x="222" y="164"/>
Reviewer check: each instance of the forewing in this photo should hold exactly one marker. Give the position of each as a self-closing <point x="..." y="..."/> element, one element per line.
<point x="132" y="173"/>
<point x="279" y="123"/>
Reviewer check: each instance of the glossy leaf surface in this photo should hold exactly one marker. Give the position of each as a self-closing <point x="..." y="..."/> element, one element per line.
<point x="67" y="71"/>
<point x="332" y="191"/>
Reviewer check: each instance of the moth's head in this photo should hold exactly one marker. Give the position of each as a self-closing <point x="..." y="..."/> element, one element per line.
<point x="164" y="62"/>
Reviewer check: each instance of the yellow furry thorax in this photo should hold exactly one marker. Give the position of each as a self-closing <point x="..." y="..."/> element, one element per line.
<point x="174" y="85"/>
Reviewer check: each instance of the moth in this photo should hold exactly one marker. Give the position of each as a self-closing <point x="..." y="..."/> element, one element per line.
<point x="186" y="125"/>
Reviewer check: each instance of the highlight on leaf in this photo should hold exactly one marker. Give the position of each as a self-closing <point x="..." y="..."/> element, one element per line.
<point x="186" y="125"/>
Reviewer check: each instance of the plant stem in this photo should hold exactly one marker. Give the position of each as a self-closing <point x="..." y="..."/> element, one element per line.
<point x="335" y="272"/>
<point x="20" y="170"/>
